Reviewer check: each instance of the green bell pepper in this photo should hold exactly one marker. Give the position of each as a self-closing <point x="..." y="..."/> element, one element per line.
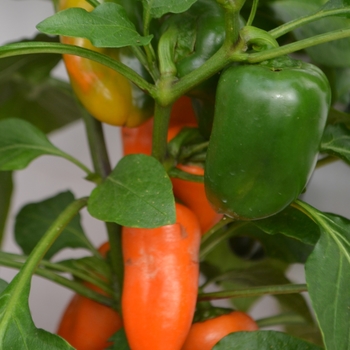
<point x="198" y="34"/>
<point x="268" y="124"/>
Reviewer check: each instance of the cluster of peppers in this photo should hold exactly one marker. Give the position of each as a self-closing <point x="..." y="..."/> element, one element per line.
<point x="249" y="113"/>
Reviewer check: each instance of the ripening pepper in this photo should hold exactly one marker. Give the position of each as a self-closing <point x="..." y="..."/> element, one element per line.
<point x="161" y="271"/>
<point x="106" y="94"/>
<point x="205" y="334"/>
<point x="192" y="194"/>
<point x="268" y="124"/>
<point x="87" y="324"/>
<point x="139" y="140"/>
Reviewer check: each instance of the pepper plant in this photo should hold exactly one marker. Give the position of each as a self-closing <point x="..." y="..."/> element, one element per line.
<point x="231" y="105"/>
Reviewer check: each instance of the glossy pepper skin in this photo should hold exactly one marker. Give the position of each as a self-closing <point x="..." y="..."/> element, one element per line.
<point x="201" y="34"/>
<point x="106" y="94"/>
<point x="160" y="282"/>
<point x="204" y="335"/>
<point x="87" y="324"/>
<point x="192" y="194"/>
<point x="269" y="120"/>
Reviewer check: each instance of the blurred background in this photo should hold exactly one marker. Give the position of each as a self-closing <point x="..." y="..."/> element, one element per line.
<point x="328" y="190"/>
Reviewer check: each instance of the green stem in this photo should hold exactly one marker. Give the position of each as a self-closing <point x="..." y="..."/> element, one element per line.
<point x="42" y="47"/>
<point x="252" y="12"/>
<point x="25" y="274"/>
<point x="150" y="54"/>
<point x="211" y="232"/>
<point x="6" y="185"/>
<point x="180" y="174"/>
<point x="189" y="151"/>
<point x="160" y="131"/>
<point x="93" y="3"/>
<point x="214" y="64"/>
<point x="116" y="258"/>
<point x="145" y="61"/>
<point x="90" y="174"/>
<point x="166" y="49"/>
<point x="304" y="208"/>
<point x="102" y="166"/>
<point x="296" y="46"/>
<point x="217" y="237"/>
<point x="289" y="26"/>
<point x="231" y="9"/>
<point x="97" y="145"/>
<point x="254" y="292"/>
<point x="72" y="285"/>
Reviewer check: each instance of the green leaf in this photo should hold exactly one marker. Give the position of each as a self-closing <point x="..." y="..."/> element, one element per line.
<point x="334" y="53"/>
<point x="266" y="273"/>
<point x="335" y="117"/>
<point x="3" y="285"/>
<point x="158" y="8"/>
<point x="336" y="141"/>
<point x="6" y="187"/>
<point x="106" y="26"/>
<point x="138" y="193"/>
<point x="27" y="90"/>
<point x="119" y="341"/>
<point x="17" y="330"/>
<point x="34" y="219"/>
<point x="263" y="340"/>
<point x="292" y="223"/>
<point x="91" y="266"/>
<point x="341" y="85"/>
<point x="21" y="142"/>
<point x="278" y="246"/>
<point x="328" y="276"/>
<point x="335" y="4"/>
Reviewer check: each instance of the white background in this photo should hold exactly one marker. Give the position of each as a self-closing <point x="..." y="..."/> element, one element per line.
<point x="328" y="190"/>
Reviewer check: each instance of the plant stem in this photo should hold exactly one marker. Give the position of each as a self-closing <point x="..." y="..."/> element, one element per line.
<point x="160" y="131"/>
<point x="289" y="26"/>
<point x="179" y="174"/>
<point x="214" y="64"/>
<point x="116" y="255"/>
<point x="75" y="286"/>
<point x="102" y="166"/>
<point x="145" y="61"/>
<point x="166" y="49"/>
<point x="254" y="291"/>
<point x="17" y="49"/>
<point x="252" y="12"/>
<point x="211" y="232"/>
<point x="80" y="165"/>
<point x="97" y="144"/>
<point x="188" y="151"/>
<point x="150" y="54"/>
<point x="24" y="276"/>
<point x="297" y="46"/>
<point x="218" y="236"/>
<point x="5" y="201"/>
<point x="93" y="3"/>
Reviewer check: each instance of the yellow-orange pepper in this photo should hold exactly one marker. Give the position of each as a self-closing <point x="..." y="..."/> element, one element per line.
<point x="107" y="95"/>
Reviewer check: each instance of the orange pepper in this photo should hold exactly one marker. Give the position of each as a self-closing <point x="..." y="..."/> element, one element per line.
<point x="139" y="140"/>
<point x="160" y="282"/>
<point x="192" y="194"/>
<point x="204" y="335"/>
<point x="87" y="324"/>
